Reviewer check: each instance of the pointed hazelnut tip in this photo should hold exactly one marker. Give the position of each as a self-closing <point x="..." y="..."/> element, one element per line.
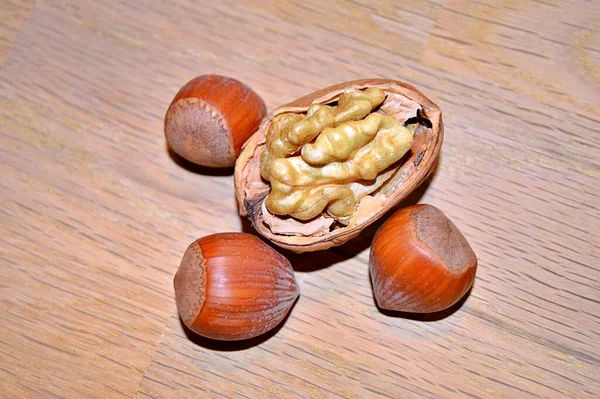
<point x="190" y="284"/>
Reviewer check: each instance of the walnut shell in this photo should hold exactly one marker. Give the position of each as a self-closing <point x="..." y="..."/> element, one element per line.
<point x="319" y="234"/>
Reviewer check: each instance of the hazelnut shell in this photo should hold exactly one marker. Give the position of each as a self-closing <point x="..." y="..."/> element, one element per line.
<point x="251" y="190"/>
<point x="233" y="286"/>
<point x="420" y="262"/>
<point x="210" y="118"/>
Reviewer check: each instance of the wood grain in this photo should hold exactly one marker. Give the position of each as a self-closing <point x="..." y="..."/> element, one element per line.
<point x="14" y="13"/>
<point x="96" y="214"/>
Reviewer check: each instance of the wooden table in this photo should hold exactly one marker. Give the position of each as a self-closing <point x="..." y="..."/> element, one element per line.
<point x="96" y="214"/>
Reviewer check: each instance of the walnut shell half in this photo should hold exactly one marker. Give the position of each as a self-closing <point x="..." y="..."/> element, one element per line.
<point x="403" y="103"/>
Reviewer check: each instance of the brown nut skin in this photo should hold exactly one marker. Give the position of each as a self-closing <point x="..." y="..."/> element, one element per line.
<point x="420" y="262"/>
<point x="210" y="118"/>
<point x="233" y="286"/>
<point x="251" y="191"/>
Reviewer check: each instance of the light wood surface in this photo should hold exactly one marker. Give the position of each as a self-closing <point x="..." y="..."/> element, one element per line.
<point x="96" y="214"/>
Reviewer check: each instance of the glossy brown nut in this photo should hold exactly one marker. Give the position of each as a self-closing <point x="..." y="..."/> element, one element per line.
<point x="251" y="189"/>
<point x="420" y="262"/>
<point x="210" y="118"/>
<point x="233" y="286"/>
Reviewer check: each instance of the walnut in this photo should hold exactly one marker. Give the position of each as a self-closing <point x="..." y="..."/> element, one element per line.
<point x="340" y="151"/>
<point x="321" y="169"/>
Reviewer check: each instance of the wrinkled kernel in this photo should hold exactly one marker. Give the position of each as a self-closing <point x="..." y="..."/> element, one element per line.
<point x="330" y="158"/>
<point x="291" y="131"/>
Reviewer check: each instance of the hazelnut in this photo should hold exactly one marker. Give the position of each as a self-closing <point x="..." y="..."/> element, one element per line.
<point x="420" y="262"/>
<point x="210" y="118"/>
<point x="233" y="286"/>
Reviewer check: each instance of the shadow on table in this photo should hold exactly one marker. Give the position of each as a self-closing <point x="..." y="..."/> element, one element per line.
<point x="232" y="346"/>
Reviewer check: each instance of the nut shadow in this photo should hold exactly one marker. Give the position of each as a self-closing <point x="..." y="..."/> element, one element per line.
<point x="233" y="346"/>
<point x="249" y="229"/>
<point x="426" y="317"/>
<point x="195" y="168"/>
<point x="313" y="261"/>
